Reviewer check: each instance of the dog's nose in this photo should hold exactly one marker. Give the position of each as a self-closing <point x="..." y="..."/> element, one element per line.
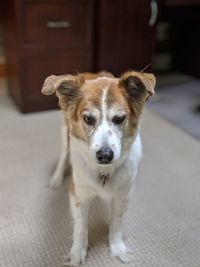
<point x="105" y="155"/>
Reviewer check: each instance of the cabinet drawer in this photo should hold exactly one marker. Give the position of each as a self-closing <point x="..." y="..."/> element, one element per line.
<point x="65" y="23"/>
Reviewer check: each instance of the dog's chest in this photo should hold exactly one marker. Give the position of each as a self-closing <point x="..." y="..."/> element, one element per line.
<point x="106" y="184"/>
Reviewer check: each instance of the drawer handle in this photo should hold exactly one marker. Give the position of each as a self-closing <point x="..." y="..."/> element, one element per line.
<point x="154" y="12"/>
<point x="58" y="24"/>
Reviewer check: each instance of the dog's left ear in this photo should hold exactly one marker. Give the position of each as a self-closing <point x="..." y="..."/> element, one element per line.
<point x="138" y="84"/>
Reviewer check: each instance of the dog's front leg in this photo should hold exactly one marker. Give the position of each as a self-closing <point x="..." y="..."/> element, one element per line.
<point x="117" y="246"/>
<point x="79" y="207"/>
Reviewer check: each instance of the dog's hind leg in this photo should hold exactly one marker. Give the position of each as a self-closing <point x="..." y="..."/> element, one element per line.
<point x="58" y="176"/>
<point x="63" y="162"/>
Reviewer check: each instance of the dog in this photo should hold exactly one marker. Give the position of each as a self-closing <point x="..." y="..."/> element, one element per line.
<point x="103" y="146"/>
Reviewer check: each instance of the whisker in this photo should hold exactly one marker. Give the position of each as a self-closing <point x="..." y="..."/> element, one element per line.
<point x="145" y="67"/>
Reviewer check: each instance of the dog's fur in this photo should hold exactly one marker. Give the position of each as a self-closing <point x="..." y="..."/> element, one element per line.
<point x="100" y="111"/>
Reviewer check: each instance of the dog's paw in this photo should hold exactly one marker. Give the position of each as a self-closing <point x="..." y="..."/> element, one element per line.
<point x="75" y="257"/>
<point x="120" y="251"/>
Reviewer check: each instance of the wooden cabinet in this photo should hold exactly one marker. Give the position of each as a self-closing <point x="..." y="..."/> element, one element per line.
<point x="125" y="38"/>
<point x="45" y="37"/>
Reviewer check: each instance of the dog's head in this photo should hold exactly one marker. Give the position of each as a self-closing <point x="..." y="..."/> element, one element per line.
<point x="103" y="112"/>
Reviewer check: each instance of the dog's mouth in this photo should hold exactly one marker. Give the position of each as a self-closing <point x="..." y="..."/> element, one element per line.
<point x="104" y="163"/>
<point x="107" y="163"/>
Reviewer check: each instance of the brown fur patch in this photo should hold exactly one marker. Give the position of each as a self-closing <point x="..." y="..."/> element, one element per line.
<point x="91" y="98"/>
<point x="136" y="88"/>
<point x="116" y="95"/>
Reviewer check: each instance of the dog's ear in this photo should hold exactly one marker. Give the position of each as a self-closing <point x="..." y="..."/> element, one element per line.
<point x="65" y="85"/>
<point x="138" y="84"/>
<point x="49" y="86"/>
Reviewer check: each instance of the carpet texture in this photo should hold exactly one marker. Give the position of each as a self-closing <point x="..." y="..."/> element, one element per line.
<point x="163" y="222"/>
<point x="178" y="104"/>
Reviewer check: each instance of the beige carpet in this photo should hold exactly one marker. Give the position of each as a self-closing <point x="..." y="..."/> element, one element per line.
<point x="163" y="223"/>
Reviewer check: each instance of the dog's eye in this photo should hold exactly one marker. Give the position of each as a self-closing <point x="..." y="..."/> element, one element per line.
<point x="118" y="119"/>
<point x="89" y="120"/>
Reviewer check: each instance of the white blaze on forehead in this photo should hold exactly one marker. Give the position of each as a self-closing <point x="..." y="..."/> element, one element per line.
<point x="99" y="138"/>
<point x="104" y="103"/>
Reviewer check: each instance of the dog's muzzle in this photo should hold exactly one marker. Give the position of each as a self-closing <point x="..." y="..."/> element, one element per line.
<point x="105" y="155"/>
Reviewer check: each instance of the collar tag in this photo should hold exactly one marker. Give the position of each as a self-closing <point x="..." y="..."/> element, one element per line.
<point x="104" y="178"/>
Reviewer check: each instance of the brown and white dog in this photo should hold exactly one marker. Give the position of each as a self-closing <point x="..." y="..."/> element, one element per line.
<point x="102" y="142"/>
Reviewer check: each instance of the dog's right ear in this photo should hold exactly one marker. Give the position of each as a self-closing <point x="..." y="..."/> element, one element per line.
<point x="49" y="86"/>
<point x="67" y="88"/>
<point x="63" y="85"/>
